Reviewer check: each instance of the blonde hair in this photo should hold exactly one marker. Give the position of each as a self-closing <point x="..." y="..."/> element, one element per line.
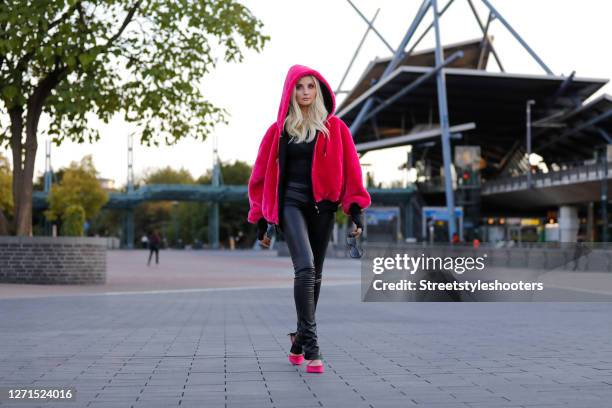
<point x="304" y="129"/>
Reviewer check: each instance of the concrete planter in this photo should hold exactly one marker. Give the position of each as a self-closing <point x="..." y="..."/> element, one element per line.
<point x="48" y="260"/>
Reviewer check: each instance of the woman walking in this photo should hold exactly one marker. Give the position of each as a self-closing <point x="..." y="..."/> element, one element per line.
<point x="154" y="243"/>
<point x="306" y="167"/>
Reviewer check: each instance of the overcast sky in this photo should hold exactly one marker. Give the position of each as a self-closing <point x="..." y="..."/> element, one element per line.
<point x="323" y="34"/>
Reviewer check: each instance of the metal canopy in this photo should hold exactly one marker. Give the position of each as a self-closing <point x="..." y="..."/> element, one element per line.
<point x="588" y="125"/>
<point x="425" y="58"/>
<point x="495" y="102"/>
<point x="410" y="138"/>
<point x="472" y="89"/>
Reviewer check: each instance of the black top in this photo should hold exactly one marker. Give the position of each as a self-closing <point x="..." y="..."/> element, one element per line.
<point x="299" y="161"/>
<point x="291" y="168"/>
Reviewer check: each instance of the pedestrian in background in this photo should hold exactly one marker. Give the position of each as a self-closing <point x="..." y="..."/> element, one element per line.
<point x="154" y="243"/>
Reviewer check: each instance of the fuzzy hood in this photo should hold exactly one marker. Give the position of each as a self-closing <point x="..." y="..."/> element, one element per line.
<point x="295" y="73"/>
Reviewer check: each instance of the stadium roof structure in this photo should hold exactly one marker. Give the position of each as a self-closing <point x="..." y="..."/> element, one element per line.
<point x="422" y="99"/>
<point x="493" y="101"/>
<point x="575" y="132"/>
<point x="476" y="55"/>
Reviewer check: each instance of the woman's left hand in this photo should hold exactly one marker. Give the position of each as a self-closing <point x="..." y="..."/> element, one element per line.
<point x="357" y="218"/>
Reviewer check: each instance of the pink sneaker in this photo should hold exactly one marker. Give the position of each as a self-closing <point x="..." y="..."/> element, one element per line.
<point x="314" y="369"/>
<point x="296" y="360"/>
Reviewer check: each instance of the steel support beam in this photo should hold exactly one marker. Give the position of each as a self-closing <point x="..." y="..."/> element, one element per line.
<point x="528" y="142"/>
<point x="577" y="129"/>
<point x="410" y="138"/>
<point x="128" y="228"/>
<point x="48" y="171"/>
<point x="444" y="124"/>
<point x="213" y="225"/>
<point x="517" y="36"/>
<point x="398" y="55"/>
<point x="371" y="26"/>
<point x="130" y="157"/>
<point x="482" y="28"/>
<point x="350" y="65"/>
<point x="409" y="220"/>
<point x="604" y="135"/>
<point x="428" y="28"/>
<point x="414" y="84"/>
<point x="604" y="196"/>
<point x="128" y="217"/>
<point x="563" y="87"/>
<point x="47" y="225"/>
<point x="485" y="42"/>
<point x="213" y="214"/>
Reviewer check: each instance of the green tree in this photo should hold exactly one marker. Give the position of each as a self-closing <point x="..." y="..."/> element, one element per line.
<point x="141" y="58"/>
<point x="6" y="198"/>
<point x="107" y="223"/>
<point x="168" y="175"/>
<point x="73" y="220"/>
<point x="188" y="223"/>
<point x="79" y="187"/>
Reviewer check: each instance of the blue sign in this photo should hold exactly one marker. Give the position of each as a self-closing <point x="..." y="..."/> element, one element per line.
<point x="441" y="214"/>
<point x="374" y="215"/>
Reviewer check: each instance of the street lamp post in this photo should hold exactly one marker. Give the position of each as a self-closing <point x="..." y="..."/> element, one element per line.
<point x="528" y="143"/>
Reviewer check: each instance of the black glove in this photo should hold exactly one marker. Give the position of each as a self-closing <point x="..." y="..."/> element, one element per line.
<point x="356" y="215"/>
<point x="262" y="227"/>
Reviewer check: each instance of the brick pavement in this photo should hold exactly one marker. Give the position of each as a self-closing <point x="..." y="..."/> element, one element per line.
<point x="227" y="348"/>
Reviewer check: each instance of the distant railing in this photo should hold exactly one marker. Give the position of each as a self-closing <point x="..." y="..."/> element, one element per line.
<point x="517" y="245"/>
<point x="566" y="174"/>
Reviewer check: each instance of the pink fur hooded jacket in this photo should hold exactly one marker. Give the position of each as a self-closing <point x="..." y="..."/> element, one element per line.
<point x="336" y="172"/>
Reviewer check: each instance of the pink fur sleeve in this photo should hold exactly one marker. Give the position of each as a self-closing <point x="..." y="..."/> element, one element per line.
<point x="353" y="190"/>
<point x="256" y="181"/>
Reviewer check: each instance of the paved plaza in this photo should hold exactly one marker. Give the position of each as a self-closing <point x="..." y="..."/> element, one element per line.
<point x="208" y="329"/>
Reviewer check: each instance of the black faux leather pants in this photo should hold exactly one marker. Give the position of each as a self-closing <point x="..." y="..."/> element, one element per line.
<point x="307" y="233"/>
